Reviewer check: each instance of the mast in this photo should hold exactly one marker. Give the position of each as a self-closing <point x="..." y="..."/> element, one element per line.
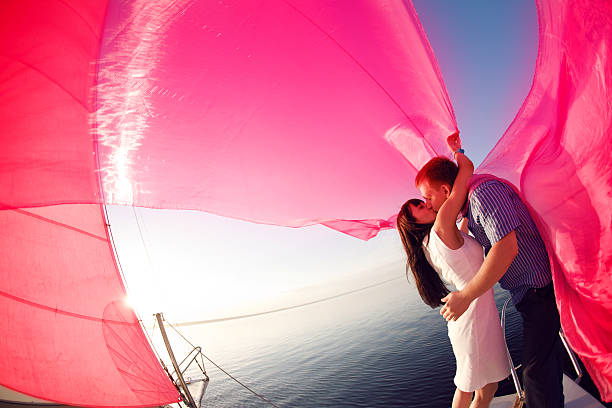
<point x="160" y="321"/>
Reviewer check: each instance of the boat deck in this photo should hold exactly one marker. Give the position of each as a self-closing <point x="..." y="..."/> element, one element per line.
<point x="575" y="397"/>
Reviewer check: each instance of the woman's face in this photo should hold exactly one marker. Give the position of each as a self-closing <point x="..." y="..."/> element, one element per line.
<point x="422" y="214"/>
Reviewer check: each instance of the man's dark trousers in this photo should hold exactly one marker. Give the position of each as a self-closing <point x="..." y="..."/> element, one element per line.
<point x="542" y="349"/>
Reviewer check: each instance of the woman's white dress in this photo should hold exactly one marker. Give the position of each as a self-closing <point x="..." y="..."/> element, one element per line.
<point x="476" y="336"/>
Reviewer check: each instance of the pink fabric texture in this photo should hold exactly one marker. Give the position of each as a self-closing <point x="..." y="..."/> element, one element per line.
<point x="67" y="335"/>
<point x="241" y="108"/>
<point x="282" y="112"/>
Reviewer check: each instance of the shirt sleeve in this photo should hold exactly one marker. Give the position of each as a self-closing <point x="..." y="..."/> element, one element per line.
<point x="493" y="207"/>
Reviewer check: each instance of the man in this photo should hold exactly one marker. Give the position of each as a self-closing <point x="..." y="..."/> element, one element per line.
<point x="516" y="257"/>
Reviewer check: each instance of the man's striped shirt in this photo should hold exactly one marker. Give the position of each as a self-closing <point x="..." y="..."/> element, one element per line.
<point x="494" y="210"/>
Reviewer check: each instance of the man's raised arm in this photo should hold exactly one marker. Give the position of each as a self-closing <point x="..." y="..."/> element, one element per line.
<point x="495" y="265"/>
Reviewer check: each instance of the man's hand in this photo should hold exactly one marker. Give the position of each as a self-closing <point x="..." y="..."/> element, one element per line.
<point x="456" y="304"/>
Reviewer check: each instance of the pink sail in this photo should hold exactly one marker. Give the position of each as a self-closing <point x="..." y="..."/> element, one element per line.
<point x="280" y="112"/>
<point x="67" y="335"/>
<point x="558" y="151"/>
<point x="247" y="109"/>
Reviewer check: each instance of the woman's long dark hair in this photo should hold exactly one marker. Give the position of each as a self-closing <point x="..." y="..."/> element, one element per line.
<point x="428" y="282"/>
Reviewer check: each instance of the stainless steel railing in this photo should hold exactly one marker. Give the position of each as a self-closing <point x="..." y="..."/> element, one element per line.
<point x="517" y="385"/>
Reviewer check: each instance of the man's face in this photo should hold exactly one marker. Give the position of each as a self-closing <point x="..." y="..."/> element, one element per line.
<point x="433" y="194"/>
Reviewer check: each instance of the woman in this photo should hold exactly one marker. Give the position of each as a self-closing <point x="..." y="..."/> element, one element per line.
<point x="436" y="247"/>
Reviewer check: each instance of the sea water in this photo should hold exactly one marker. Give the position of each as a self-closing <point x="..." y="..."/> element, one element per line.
<point x="377" y="347"/>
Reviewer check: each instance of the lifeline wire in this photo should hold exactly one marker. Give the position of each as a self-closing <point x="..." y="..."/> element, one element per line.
<point x="225" y="372"/>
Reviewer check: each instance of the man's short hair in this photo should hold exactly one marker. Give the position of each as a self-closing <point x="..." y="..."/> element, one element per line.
<point x="438" y="170"/>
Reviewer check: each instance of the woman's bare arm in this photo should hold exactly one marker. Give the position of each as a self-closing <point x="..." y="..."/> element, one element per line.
<point x="446" y="219"/>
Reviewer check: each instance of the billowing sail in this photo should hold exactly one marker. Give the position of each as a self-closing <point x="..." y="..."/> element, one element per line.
<point x="67" y="334"/>
<point x="558" y="151"/>
<point x="249" y="109"/>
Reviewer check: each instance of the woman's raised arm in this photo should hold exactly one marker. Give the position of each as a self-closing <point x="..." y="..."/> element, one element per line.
<point x="446" y="219"/>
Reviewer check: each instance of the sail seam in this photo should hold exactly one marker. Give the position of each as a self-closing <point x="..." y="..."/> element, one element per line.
<point x="60" y="224"/>
<point x="64" y="312"/>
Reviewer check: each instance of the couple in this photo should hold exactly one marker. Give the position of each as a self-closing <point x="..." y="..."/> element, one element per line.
<point x="515" y="256"/>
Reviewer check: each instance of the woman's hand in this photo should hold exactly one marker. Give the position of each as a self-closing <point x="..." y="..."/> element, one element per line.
<point x="454" y="142"/>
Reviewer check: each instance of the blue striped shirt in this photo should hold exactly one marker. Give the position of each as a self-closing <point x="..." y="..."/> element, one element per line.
<point x="494" y="210"/>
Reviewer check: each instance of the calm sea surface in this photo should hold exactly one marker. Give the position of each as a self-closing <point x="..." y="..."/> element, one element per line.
<point x="378" y="347"/>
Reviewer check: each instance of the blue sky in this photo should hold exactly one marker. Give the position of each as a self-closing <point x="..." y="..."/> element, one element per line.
<point x="196" y="266"/>
<point x="487" y="52"/>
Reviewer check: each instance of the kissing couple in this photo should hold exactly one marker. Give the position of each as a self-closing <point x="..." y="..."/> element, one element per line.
<point x="496" y="241"/>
